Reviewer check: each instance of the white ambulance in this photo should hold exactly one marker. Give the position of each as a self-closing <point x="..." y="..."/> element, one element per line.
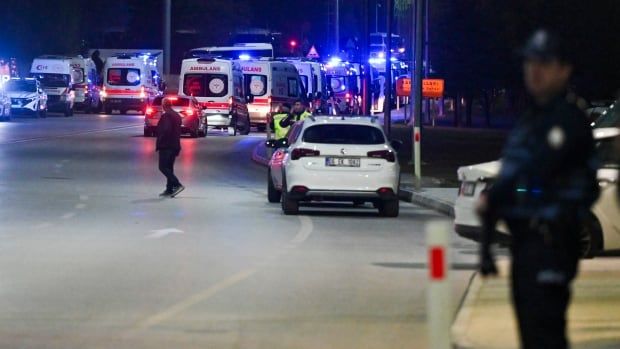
<point x="56" y="76"/>
<point x="129" y="83"/>
<point x="312" y="76"/>
<point x="269" y="84"/>
<point x="218" y="85"/>
<point x="86" y="83"/>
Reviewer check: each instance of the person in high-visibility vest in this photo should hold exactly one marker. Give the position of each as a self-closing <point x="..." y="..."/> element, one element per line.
<point x="283" y="113"/>
<point x="299" y="113"/>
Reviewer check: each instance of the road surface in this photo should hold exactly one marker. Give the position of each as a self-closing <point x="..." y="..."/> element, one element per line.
<point x="90" y="257"/>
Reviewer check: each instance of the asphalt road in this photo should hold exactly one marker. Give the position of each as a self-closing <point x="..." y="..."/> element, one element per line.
<point x="90" y="257"/>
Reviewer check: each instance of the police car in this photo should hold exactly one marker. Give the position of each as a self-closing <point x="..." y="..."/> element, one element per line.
<point x="27" y="97"/>
<point x="603" y="231"/>
<point x="335" y="159"/>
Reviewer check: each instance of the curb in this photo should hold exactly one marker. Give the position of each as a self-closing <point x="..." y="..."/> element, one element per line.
<point x="461" y="323"/>
<point x="418" y="198"/>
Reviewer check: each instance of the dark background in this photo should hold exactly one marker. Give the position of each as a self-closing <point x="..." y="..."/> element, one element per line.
<point x="472" y="41"/>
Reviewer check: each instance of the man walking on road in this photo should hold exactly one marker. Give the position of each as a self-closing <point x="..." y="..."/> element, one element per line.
<point x="544" y="191"/>
<point x="169" y="147"/>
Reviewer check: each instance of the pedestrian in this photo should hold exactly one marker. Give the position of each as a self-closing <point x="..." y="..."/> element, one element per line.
<point x="169" y="147"/>
<point x="544" y="191"/>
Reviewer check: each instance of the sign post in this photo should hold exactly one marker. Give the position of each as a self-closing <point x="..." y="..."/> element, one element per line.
<point x="438" y="293"/>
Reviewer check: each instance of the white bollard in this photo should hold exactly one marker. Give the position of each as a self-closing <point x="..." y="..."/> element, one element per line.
<point x="439" y="308"/>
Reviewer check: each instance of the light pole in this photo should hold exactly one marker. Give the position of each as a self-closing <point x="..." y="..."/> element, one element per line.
<point x="377" y="6"/>
<point x="167" y="34"/>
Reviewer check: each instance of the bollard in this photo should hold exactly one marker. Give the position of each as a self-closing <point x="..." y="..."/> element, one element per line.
<point x="439" y="308"/>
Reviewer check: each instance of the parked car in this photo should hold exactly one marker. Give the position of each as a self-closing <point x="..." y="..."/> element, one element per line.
<point x="27" y="97"/>
<point x="602" y="233"/>
<point x="335" y="159"/>
<point x="194" y="122"/>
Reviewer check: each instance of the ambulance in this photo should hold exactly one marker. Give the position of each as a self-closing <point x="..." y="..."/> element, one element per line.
<point x="85" y="80"/>
<point x="269" y="84"/>
<point x="312" y="76"/>
<point x="130" y="82"/>
<point x="218" y="85"/>
<point x="344" y="82"/>
<point x="56" y="74"/>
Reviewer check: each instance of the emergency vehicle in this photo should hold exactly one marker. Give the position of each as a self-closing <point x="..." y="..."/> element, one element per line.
<point x="85" y="80"/>
<point x="344" y="82"/>
<point x="245" y="51"/>
<point x="56" y="76"/>
<point x="218" y="85"/>
<point x="312" y="76"/>
<point x="270" y="84"/>
<point x="130" y="82"/>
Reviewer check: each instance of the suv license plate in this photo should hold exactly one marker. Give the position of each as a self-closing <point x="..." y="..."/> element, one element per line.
<point x="342" y="162"/>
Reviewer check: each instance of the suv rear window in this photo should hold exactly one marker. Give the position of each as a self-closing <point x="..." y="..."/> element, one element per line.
<point x="123" y="77"/>
<point x="205" y="85"/>
<point x="343" y="134"/>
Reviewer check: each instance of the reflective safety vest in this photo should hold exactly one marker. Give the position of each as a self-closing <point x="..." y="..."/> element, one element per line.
<point x="279" y="131"/>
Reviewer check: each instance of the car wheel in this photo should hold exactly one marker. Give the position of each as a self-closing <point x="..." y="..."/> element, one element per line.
<point x="232" y="129"/>
<point x="389" y="208"/>
<point x="273" y="194"/>
<point x="289" y="206"/>
<point x="202" y="132"/>
<point x="590" y="238"/>
<point x="246" y="128"/>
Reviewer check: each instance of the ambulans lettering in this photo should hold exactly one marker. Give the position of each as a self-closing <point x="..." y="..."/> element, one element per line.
<point x="252" y="69"/>
<point x="205" y="68"/>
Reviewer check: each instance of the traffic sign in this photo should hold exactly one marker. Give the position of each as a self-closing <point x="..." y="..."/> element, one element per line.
<point x="433" y="88"/>
<point x="313" y="53"/>
<point x="403" y="87"/>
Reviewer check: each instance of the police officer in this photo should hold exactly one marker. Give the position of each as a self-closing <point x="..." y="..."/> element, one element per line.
<point x="544" y="191"/>
<point x="283" y="113"/>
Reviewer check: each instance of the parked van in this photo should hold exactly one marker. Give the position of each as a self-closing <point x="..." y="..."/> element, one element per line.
<point x="312" y="76"/>
<point x="218" y="85"/>
<point x="270" y="84"/>
<point x="56" y="76"/>
<point x="86" y="84"/>
<point x="130" y="82"/>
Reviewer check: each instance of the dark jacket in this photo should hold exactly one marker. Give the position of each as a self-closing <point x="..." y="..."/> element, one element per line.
<point x="169" y="132"/>
<point x="548" y="166"/>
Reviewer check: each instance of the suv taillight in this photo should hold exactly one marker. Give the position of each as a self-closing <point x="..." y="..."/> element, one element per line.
<point x="299" y="153"/>
<point x="387" y="155"/>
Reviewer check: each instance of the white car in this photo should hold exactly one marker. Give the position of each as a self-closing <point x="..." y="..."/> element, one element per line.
<point x="27" y="97"/>
<point x="335" y="159"/>
<point x="603" y="232"/>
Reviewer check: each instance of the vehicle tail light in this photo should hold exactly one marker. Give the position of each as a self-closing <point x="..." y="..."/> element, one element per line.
<point x="230" y="102"/>
<point x="299" y="153"/>
<point x="142" y="92"/>
<point x="387" y="155"/>
<point x="299" y="189"/>
<point x="347" y="96"/>
<point x="189" y="112"/>
<point x="384" y="191"/>
<point x="150" y="111"/>
<point x="103" y="93"/>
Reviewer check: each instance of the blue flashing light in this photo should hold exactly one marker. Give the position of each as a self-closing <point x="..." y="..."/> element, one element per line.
<point x="335" y="61"/>
<point x="244" y="57"/>
<point x="381" y="54"/>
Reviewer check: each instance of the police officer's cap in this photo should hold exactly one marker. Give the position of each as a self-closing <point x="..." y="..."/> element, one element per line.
<point x="545" y="46"/>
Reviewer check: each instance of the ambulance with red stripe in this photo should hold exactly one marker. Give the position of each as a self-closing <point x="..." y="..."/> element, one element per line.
<point x="269" y="84"/>
<point x="129" y="83"/>
<point x="218" y="85"/>
<point x="85" y="84"/>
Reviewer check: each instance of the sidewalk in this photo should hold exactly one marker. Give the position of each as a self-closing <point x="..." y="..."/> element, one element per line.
<point x="486" y="320"/>
<point x="430" y="195"/>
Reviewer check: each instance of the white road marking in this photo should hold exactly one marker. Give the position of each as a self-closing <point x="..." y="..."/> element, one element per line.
<point x="195" y="299"/>
<point x="304" y="231"/>
<point x="80" y="206"/>
<point x="161" y="233"/>
<point x="43" y="225"/>
<point x="68" y="215"/>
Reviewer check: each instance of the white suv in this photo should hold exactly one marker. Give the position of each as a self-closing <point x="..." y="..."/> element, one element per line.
<point x="335" y="159"/>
